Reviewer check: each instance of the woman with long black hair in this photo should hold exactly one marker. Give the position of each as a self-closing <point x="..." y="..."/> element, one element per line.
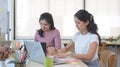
<point x="48" y="33"/>
<point x="86" y="41"/>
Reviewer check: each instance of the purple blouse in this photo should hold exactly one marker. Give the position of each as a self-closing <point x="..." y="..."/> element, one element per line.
<point x="51" y="38"/>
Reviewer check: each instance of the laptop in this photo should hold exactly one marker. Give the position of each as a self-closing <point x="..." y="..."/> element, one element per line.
<point x="37" y="52"/>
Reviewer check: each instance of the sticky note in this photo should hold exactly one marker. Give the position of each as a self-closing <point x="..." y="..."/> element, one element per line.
<point x="73" y="62"/>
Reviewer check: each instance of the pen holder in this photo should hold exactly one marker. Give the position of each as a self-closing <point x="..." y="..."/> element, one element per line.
<point x="20" y="64"/>
<point x="48" y="62"/>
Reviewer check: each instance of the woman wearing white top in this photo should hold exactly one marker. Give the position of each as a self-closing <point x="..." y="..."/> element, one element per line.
<point x="86" y="41"/>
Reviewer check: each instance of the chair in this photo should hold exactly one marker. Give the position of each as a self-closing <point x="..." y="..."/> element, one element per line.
<point x="102" y="47"/>
<point x="108" y="59"/>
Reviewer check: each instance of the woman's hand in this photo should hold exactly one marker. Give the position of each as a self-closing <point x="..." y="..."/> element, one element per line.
<point x="51" y="50"/>
<point x="60" y="55"/>
<point x="56" y="52"/>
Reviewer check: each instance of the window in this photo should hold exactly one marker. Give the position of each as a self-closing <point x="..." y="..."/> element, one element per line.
<point x="27" y="16"/>
<point x="28" y="12"/>
<point x="106" y="14"/>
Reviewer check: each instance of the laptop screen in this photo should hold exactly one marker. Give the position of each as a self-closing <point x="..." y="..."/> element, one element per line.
<point x="36" y="50"/>
<point x="43" y="44"/>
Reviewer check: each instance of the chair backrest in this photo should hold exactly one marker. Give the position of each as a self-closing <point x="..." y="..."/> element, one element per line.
<point x="102" y="47"/>
<point x="108" y="58"/>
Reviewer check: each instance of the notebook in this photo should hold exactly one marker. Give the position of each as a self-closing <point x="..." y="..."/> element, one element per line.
<point x="37" y="52"/>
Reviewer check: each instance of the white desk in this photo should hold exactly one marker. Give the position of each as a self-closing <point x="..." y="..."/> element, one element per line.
<point x="35" y="64"/>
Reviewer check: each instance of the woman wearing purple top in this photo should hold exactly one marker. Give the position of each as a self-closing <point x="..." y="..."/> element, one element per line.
<point x="48" y="33"/>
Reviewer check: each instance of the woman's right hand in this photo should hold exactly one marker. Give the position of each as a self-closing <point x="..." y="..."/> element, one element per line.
<point x="51" y="50"/>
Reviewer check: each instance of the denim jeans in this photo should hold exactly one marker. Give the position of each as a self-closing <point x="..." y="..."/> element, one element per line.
<point x="94" y="63"/>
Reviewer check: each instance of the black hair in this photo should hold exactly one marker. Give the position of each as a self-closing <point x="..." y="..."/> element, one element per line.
<point x="84" y="16"/>
<point x="48" y="17"/>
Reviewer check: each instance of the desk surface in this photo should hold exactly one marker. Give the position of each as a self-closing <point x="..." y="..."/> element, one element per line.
<point x="116" y="43"/>
<point x="113" y="44"/>
<point x="35" y="64"/>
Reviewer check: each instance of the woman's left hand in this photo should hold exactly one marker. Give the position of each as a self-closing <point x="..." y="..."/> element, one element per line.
<point x="60" y="55"/>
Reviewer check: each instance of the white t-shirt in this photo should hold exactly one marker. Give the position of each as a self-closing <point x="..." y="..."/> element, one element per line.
<point x="82" y="43"/>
